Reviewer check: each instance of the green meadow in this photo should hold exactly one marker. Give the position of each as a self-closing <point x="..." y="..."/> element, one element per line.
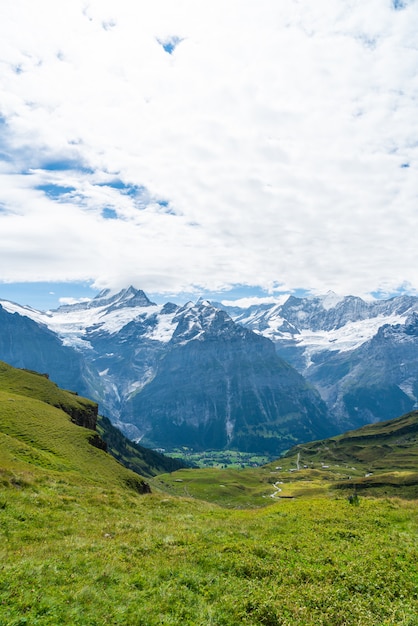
<point x="277" y="545"/>
<point x="74" y="553"/>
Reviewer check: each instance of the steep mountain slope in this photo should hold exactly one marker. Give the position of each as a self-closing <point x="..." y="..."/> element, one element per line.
<point x="183" y="375"/>
<point x="220" y="385"/>
<point x="361" y="356"/>
<point x="29" y="343"/>
<point x="377" y="381"/>
<point x="141" y="460"/>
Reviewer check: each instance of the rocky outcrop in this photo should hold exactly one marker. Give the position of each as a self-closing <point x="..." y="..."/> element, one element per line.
<point x="84" y="415"/>
<point x="97" y="442"/>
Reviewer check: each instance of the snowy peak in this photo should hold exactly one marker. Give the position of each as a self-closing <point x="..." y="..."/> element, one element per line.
<point x="322" y="323"/>
<point x="330" y="300"/>
<point x="203" y="320"/>
<point x="110" y="300"/>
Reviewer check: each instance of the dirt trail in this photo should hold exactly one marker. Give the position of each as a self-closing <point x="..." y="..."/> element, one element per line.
<point x="277" y="488"/>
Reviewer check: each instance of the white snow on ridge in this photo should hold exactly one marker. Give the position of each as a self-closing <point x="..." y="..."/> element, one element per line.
<point x="164" y="329"/>
<point x="37" y="316"/>
<point x="330" y="300"/>
<point x="245" y="303"/>
<point x="71" y="324"/>
<point x="349" y="337"/>
<point x="76" y="321"/>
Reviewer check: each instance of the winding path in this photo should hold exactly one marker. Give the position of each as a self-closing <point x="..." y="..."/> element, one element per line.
<point x="277" y="488"/>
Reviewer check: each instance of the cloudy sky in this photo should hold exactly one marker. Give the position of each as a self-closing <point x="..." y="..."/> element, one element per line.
<point x="209" y="145"/>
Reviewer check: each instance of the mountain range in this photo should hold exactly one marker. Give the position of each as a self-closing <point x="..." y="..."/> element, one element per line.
<point x="361" y="356"/>
<point x="205" y="375"/>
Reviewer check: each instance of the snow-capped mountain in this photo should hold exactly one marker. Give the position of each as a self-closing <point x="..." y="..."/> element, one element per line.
<point x="361" y="356"/>
<point x="316" y="323"/>
<point x="168" y="374"/>
<point x="220" y="385"/>
<point x="206" y="373"/>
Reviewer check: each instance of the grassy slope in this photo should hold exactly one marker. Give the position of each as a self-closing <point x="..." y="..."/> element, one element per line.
<point x="73" y="554"/>
<point x="33" y="385"/>
<point x="377" y="447"/>
<point x="79" y="548"/>
<point x="37" y="386"/>
<point x="380" y="458"/>
<point x="37" y="438"/>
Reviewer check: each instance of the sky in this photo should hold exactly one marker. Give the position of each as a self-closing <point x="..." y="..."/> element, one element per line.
<point x="228" y="147"/>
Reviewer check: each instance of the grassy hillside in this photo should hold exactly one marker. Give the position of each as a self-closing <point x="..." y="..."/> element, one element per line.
<point x="77" y="554"/>
<point x="37" y="438"/>
<point x="38" y="386"/>
<point x="84" y="412"/>
<point x="379" y="459"/>
<point x="381" y="446"/>
<point x="79" y="546"/>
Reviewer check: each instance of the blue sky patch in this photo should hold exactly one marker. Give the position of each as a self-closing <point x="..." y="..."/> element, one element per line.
<point x="44" y="295"/>
<point x="170" y="43"/>
<point x="5" y="157"/>
<point x="140" y="193"/>
<point x="62" y="165"/>
<point x="398" y="5"/>
<point x="405" y="165"/>
<point x="125" y="188"/>
<point x="4" y="154"/>
<point x="55" y="192"/>
<point x="109" y="214"/>
<point x="166" y="208"/>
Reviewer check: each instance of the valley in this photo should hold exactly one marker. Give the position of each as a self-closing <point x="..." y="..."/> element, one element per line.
<point x="218" y="458"/>
<point x="300" y="505"/>
<point x="316" y="537"/>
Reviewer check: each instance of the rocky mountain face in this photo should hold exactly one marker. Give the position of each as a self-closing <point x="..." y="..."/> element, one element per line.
<point x="169" y="375"/>
<point x="25" y="343"/>
<point x="361" y="356"/>
<point x="220" y="385"/>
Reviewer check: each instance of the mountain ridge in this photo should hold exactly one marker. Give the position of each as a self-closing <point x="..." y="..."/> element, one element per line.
<point x="359" y="356"/>
<point x="124" y="352"/>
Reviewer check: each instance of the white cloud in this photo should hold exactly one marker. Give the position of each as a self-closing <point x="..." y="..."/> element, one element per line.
<point x="244" y="303"/>
<point x="69" y="300"/>
<point x="276" y="145"/>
